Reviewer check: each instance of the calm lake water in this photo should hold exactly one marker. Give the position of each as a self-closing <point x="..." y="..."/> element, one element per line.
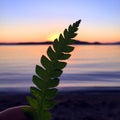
<point x="89" y="66"/>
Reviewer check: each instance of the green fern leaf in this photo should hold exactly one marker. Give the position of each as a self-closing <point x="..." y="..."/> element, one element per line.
<point x="68" y="49"/>
<point x="53" y="83"/>
<point x="56" y="73"/>
<point x="47" y="64"/>
<point x="51" y="93"/>
<point x="42" y="73"/>
<point x="45" y="115"/>
<point x="36" y="92"/>
<point x="32" y="102"/>
<point x="47" y="78"/>
<point x="51" y="54"/>
<point x="59" y="65"/>
<point x="63" y="56"/>
<point x="48" y="104"/>
<point x="39" y="82"/>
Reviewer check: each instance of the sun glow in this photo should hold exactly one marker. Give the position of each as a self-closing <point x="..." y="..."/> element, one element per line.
<point x="52" y="37"/>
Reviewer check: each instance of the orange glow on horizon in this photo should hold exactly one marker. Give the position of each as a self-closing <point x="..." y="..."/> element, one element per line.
<point x="39" y="33"/>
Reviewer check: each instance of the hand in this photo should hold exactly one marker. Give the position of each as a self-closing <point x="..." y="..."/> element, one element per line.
<point x="14" y="113"/>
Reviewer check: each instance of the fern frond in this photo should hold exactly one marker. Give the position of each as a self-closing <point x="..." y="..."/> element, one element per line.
<point x="47" y="78"/>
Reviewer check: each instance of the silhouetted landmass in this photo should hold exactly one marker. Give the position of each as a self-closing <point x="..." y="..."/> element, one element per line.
<point x="95" y="43"/>
<point x="27" y="43"/>
<point x="87" y="43"/>
<point x="81" y="42"/>
<point x="77" y="42"/>
<point x="116" y="43"/>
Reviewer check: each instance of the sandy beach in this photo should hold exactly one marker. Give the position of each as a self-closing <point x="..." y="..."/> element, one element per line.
<point x="74" y="105"/>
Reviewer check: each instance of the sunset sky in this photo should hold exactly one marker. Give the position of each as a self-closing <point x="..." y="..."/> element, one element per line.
<point x="43" y="20"/>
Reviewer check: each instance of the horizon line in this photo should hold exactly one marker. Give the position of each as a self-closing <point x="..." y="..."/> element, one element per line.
<point x="50" y="42"/>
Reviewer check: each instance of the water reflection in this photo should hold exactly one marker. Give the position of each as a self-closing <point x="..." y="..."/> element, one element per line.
<point x="88" y="66"/>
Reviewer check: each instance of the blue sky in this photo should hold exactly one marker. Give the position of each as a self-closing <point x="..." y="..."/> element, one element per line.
<point x="35" y="20"/>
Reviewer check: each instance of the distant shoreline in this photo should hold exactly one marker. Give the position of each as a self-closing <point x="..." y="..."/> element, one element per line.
<point x="92" y="89"/>
<point x="27" y="43"/>
<point x="77" y="42"/>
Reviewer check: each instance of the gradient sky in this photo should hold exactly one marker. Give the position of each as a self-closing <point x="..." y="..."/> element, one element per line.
<point x="40" y="20"/>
